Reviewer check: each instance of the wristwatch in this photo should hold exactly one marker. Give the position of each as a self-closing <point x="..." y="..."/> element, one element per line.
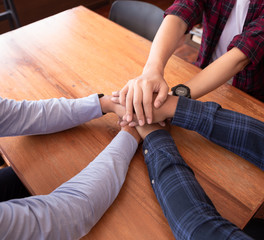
<point x="181" y="90"/>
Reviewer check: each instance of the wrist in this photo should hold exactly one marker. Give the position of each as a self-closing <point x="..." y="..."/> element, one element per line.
<point x="167" y="110"/>
<point x="154" y="67"/>
<point x="145" y="130"/>
<point x="132" y="131"/>
<point x="106" y="104"/>
<point x="170" y="108"/>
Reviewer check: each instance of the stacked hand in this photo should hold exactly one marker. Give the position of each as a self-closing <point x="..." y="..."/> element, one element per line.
<point x="166" y="111"/>
<point x="137" y="96"/>
<point x="159" y="115"/>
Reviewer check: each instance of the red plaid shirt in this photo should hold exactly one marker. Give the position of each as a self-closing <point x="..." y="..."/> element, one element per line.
<point x="251" y="41"/>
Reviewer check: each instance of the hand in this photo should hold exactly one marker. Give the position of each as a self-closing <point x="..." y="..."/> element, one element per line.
<point x="107" y="106"/>
<point x="145" y="130"/>
<point x="138" y="93"/>
<point x="166" y="111"/>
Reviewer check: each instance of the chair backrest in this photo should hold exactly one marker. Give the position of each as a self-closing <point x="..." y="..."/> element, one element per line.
<point x="140" y="17"/>
<point x="10" y="14"/>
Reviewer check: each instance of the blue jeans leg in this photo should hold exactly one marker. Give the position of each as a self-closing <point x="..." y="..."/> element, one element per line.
<point x="10" y="185"/>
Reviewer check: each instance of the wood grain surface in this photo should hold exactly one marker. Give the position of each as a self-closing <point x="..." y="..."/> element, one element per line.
<point x="77" y="53"/>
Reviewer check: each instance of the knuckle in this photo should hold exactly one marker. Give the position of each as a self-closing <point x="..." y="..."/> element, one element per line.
<point x="138" y="82"/>
<point x="130" y="82"/>
<point x="129" y="97"/>
<point x="147" y="101"/>
<point x="137" y="101"/>
<point x="145" y="82"/>
<point x="147" y="104"/>
<point x="137" y="104"/>
<point x="122" y="92"/>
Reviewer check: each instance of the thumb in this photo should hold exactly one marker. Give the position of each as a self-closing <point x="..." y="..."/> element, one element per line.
<point x="162" y="95"/>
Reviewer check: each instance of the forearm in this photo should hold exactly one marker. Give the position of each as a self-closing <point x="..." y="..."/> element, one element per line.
<point x="217" y="73"/>
<point x="236" y="132"/>
<point x="46" y="116"/>
<point x="73" y="208"/>
<point x="190" y="213"/>
<point x="168" y="37"/>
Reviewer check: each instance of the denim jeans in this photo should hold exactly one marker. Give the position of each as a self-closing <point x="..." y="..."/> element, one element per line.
<point x="10" y="185"/>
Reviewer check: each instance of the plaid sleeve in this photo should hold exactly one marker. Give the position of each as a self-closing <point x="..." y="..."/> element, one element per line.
<point x="190" y="213"/>
<point x="234" y="131"/>
<point x="189" y="11"/>
<point x="250" y="41"/>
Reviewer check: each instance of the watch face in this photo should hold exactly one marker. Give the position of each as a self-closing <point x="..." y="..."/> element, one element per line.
<point x="181" y="91"/>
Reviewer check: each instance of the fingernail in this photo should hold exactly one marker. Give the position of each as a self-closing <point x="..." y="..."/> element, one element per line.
<point x="128" y="118"/>
<point x="132" y="124"/>
<point x="149" y="120"/>
<point x="158" y="103"/>
<point x="163" y="124"/>
<point x="114" y="93"/>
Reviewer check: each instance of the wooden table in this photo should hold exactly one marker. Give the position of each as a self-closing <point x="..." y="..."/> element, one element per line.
<point x="77" y="53"/>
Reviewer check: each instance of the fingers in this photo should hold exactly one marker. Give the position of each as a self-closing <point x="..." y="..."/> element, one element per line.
<point x="115" y="94"/>
<point x="137" y="97"/>
<point x="115" y="97"/>
<point x="115" y="100"/>
<point x="147" y="103"/>
<point x="137" y="102"/>
<point x="129" y="105"/>
<point x="126" y="99"/>
<point x="123" y="93"/>
<point x="123" y="123"/>
<point x="162" y="95"/>
<point x="162" y="124"/>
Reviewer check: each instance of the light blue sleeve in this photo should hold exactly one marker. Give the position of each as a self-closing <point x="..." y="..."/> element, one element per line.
<point x="74" y="208"/>
<point x="46" y="116"/>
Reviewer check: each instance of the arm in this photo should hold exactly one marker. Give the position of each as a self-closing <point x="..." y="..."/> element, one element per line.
<point x="245" y="51"/>
<point x="250" y="41"/>
<point x="139" y="91"/>
<point x="190" y="213"/>
<point x="180" y="18"/>
<point x="51" y="115"/>
<point x="218" y="72"/>
<point x="234" y="131"/>
<point x="46" y="116"/>
<point x="75" y="207"/>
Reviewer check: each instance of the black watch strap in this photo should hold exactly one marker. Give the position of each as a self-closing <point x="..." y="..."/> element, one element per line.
<point x="99" y="96"/>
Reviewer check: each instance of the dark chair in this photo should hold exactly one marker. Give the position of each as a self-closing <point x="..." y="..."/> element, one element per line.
<point x="10" y="14"/>
<point x="140" y="17"/>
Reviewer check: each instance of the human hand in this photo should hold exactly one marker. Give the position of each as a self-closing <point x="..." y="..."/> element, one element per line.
<point x="166" y="111"/>
<point x="145" y="130"/>
<point x="137" y="94"/>
<point x="107" y="106"/>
